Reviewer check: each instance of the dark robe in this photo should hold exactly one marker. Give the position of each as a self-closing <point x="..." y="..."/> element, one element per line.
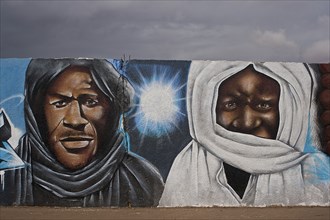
<point x="115" y="177"/>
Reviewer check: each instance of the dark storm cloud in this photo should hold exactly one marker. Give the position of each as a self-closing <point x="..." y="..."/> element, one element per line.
<point x="231" y="30"/>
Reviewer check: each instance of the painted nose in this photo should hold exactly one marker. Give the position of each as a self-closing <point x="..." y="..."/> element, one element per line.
<point x="247" y="121"/>
<point x="74" y="117"/>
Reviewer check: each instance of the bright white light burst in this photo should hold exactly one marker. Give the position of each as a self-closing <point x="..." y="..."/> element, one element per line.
<point x="158" y="110"/>
<point x="157" y="103"/>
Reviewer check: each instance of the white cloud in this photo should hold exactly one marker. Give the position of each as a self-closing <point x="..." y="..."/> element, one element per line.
<point x="273" y="39"/>
<point x="324" y="20"/>
<point x="318" y="51"/>
<point x="163" y="29"/>
<point x="270" y="45"/>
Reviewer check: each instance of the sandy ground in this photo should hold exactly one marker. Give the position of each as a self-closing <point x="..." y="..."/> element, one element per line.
<point x="36" y="213"/>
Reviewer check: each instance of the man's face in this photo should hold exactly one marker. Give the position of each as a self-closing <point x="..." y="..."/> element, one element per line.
<point x="248" y="103"/>
<point x="77" y="115"/>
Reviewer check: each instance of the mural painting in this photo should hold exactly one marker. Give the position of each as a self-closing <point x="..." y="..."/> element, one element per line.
<point x="142" y="133"/>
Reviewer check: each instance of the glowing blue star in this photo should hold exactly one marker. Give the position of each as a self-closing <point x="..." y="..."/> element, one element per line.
<point x="158" y="109"/>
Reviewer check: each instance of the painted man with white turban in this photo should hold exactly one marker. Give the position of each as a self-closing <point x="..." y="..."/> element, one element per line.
<point x="249" y="124"/>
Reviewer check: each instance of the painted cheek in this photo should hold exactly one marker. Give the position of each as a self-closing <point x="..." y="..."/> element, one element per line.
<point x="96" y="113"/>
<point x="54" y="117"/>
<point x="225" y="118"/>
<point x="269" y="125"/>
<point x="97" y="116"/>
<point x="270" y="119"/>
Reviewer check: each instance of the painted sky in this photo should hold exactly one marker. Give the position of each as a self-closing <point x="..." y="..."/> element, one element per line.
<point x="217" y="30"/>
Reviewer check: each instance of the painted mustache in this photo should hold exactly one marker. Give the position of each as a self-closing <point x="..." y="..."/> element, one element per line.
<point x="75" y="141"/>
<point x="76" y="137"/>
<point x="68" y="134"/>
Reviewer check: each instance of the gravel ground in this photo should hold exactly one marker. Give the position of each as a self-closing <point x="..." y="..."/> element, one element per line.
<point x="36" y="213"/>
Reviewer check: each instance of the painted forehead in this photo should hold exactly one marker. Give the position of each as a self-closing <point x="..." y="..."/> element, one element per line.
<point x="73" y="78"/>
<point x="248" y="78"/>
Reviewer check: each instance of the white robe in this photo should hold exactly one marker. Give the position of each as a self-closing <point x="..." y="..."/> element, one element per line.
<point x="281" y="174"/>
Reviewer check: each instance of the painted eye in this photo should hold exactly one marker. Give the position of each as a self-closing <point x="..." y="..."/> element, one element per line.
<point x="263" y="106"/>
<point x="90" y="102"/>
<point x="231" y="105"/>
<point x="60" y="103"/>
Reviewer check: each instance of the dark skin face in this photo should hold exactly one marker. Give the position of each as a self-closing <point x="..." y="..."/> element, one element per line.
<point x="248" y="103"/>
<point x="77" y="114"/>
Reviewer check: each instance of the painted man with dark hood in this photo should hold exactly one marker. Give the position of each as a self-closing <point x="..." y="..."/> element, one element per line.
<point x="75" y="149"/>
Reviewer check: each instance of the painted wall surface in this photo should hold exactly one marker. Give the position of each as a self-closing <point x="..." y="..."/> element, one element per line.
<point x="95" y="132"/>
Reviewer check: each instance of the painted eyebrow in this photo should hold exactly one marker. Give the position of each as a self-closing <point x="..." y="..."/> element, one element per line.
<point x="58" y="95"/>
<point x="230" y="94"/>
<point x="61" y="96"/>
<point x="88" y="96"/>
<point x="267" y="98"/>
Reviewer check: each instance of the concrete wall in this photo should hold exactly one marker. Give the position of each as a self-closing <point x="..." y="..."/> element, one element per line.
<point x="89" y="132"/>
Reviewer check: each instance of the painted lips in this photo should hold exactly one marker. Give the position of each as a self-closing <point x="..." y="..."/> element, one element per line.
<point x="75" y="143"/>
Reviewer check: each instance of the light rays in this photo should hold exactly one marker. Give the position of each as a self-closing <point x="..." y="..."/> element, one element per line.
<point x="159" y="102"/>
